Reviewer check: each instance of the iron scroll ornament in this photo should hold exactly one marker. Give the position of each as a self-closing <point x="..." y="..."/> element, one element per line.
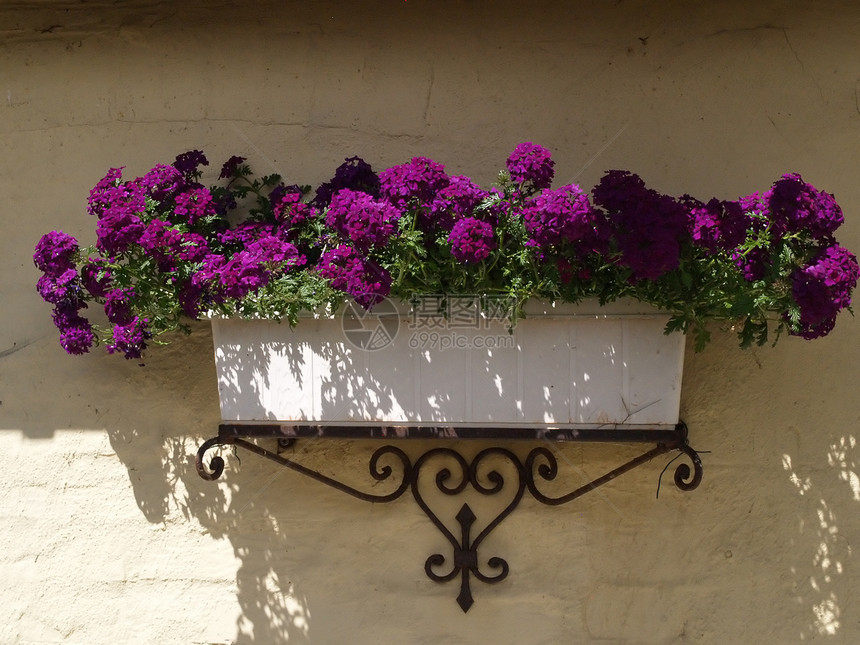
<point x="452" y="474"/>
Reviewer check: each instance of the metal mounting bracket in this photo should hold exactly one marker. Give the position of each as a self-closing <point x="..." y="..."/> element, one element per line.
<point x="453" y="473"/>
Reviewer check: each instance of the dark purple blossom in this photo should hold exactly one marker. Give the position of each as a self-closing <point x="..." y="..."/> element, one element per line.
<point x="191" y="297"/>
<point x="188" y="162"/>
<point x="252" y="268"/>
<point x="76" y="333"/>
<point x="795" y="205"/>
<point x="162" y="182"/>
<point x="290" y="212"/>
<point x="647" y="226"/>
<point x="823" y="288"/>
<point x="558" y="216"/>
<point x="347" y="270"/>
<point x="413" y="183"/>
<point x="130" y="338"/>
<point x="118" y="306"/>
<point x="192" y="247"/>
<point x="717" y="225"/>
<point x="361" y="219"/>
<point x="753" y="263"/>
<point x="231" y="167"/>
<point x="194" y="205"/>
<point x="471" y="240"/>
<point x="101" y="194"/>
<point x="55" y="253"/>
<point x="64" y="288"/>
<point x="244" y="233"/>
<point x="96" y="277"/>
<point x="354" y="173"/>
<point x="532" y="164"/>
<point x="459" y="199"/>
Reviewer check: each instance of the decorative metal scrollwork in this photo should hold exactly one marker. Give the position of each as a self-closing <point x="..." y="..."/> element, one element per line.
<point x="478" y="474"/>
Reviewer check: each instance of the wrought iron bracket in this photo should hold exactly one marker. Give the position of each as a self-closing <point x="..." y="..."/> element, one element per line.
<point x="453" y="474"/>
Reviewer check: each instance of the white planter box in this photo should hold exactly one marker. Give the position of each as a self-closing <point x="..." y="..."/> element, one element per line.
<point x="563" y="367"/>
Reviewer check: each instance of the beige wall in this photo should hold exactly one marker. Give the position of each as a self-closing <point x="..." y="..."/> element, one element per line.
<point x="108" y="534"/>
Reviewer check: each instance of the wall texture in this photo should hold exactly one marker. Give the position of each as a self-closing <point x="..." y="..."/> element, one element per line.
<point x="109" y="536"/>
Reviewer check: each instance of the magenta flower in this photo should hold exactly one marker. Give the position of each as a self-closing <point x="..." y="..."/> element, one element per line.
<point x="558" y="216"/>
<point x="532" y="164"/>
<point x="472" y="240"/>
<point x="55" y="252"/>
<point x="413" y="183"/>
<point x="361" y="219"/>
<point x="823" y="288"/>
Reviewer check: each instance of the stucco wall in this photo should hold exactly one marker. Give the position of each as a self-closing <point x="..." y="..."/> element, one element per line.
<point x="108" y="534"/>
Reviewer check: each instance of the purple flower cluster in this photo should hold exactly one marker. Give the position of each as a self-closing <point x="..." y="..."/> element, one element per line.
<point x="717" y="225"/>
<point x="471" y="240"/>
<point x="231" y="167"/>
<point x="351" y="272"/>
<point x="61" y="286"/>
<point x="194" y="205"/>
<point x="561" y="216"/>
<point x="290" y="212"/>
<point x="455" y="201"/>
<point x="647" y="227"/>
<point x="265" y="257"/>
<point x="363" y="220"/>
<point x="166" y="230"/>
<point x="794" y="205"/>
<point x="130" y="338"/>
<point x="532" y="164"/>
<point x="354" y="173"/>
<point x="189" y="162"/>
<point x="823" y="288"/>
<point x="413" y="183"/>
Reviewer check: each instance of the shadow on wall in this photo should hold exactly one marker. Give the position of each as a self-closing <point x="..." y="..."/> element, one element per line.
<point x="157" y="439"/>
<point x="819" y="582"/>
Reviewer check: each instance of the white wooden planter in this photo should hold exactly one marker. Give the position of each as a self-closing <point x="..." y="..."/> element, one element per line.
<point x="563" y="367"/>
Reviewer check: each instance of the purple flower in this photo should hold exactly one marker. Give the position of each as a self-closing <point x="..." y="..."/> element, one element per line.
<point x="717" y="225"/>
<point x="117" y="231"/>
<point x="61" y="289"/>
<point x="472" y="240"/>
<point x="354" y="173"/>
<point x="753" y="263"/>
<point x="118" y="306"/>
<point x="365" y="221"/>
<point x="95" y="277"/>
<point x="130" y="338"/>
<point x="100" y="195"/>
<point x="413" y="183"/>
<point x="532" y="164"/>
<point x="458" y="199"/>
<point x="244" y="233"/>
<point x="348" y="271"/>
<point x="188" y="162"/>
<point x="55" y="253"/>
<point x="192" y="247"/>
<point x="190" y="298"/>
<point x="231" y="167"/>
<point x="252" y="268"/>
<point x="290" y="212"/>
<point x="647" y="226"/>
<point x="162" y="182"/>
<point x="194" y="205"/>
<point x="561" y="215"/>
<point x="795" y="205"/>
<point x="823" y="288"/>
<point x="76" y="333"/>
